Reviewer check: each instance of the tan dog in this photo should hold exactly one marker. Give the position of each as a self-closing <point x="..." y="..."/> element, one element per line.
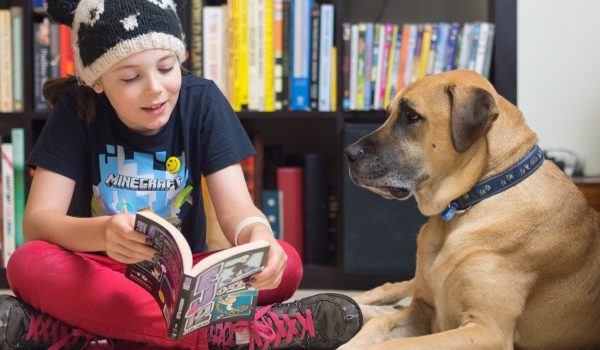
<point x="520" y="269"/>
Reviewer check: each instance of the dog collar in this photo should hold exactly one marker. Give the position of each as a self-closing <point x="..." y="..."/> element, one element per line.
<point x="496" y="184"/>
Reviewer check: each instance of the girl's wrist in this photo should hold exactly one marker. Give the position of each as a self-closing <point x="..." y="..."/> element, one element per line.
<point x="249" y="226"/>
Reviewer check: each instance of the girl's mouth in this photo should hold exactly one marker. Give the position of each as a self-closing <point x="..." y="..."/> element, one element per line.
<point x="156" y="108"/>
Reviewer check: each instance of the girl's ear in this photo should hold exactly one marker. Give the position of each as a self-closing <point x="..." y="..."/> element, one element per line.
<point x="98" y="88"/>
<point x="62" y="11"/>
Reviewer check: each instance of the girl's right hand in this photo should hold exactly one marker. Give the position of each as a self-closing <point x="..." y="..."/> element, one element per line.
<point x="123" y="243"/>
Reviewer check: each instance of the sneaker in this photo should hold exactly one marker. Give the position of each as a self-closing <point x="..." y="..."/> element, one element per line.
<point x="322" y="321"/>
<point x="22" y="327"/>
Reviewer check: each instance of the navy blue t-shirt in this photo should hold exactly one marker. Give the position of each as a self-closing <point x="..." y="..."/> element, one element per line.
<point x="118" y="170"/>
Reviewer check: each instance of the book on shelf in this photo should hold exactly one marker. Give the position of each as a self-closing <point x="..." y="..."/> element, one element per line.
<point x="18" y="145"/>
<point x="6" y="62"/>
<point x="195" y="14"/>
<point x="300" y="54"/>
<point x="290" y="183"/>
<point x="272" y="207"/>
<point x="325" y="57"/>
<point x="41" y="62"/>
<point x="8" y="203"/>
<point x="16" y="13"/>
<point x="192" y="296"/>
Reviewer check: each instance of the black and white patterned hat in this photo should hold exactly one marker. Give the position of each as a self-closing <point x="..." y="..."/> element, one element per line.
<point x="106" y="31"/>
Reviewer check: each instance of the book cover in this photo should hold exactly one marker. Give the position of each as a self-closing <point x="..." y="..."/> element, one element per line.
<point x="194" y="296"/>
<point x="290" y="183"/>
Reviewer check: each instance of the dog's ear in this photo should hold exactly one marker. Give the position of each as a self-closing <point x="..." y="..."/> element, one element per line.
<point x="473" y="112"/>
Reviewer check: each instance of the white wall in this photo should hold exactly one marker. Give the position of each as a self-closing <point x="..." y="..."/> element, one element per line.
<point x="558" y="83"/>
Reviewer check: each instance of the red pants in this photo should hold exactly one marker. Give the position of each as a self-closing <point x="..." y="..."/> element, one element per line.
<point x="91" y="292"/>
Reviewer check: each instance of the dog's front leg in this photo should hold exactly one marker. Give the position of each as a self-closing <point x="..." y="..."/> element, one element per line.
<point x="387" y="294"/>
<point x="411" y="321"/>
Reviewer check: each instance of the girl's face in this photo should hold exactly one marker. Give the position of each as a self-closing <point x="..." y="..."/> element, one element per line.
<point x="143" y="89"/>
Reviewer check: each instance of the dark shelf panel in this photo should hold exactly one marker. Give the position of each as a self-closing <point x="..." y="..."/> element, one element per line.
<point x="328" y="277"/>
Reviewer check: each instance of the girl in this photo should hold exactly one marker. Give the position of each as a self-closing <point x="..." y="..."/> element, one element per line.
<point x="130" y="116"/>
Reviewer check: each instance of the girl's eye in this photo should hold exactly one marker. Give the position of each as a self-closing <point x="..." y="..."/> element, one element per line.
<point x="166" y="70"/>
<point x="130" y="80"/>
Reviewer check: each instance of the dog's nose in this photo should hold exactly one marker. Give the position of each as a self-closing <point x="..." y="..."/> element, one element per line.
<point x="353" y="152"/>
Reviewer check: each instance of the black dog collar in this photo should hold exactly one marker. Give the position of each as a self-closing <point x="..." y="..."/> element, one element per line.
<point x="496" y="184"/>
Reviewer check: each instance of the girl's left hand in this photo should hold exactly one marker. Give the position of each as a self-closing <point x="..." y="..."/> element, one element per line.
<point x="270" y="277"/>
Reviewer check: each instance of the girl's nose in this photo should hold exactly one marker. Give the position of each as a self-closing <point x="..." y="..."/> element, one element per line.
<point x="153" y="85"/>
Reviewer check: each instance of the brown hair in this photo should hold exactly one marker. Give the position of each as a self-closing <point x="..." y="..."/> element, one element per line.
<point x="85" y="96"/>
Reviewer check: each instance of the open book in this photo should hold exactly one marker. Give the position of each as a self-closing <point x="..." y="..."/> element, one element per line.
<point x="193" y="296"/>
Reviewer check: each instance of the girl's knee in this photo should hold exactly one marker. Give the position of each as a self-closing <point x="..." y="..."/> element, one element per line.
<point x="26" y="257"/>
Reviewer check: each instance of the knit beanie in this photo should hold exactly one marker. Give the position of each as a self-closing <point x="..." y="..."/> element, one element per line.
<point x="107" y="31"/>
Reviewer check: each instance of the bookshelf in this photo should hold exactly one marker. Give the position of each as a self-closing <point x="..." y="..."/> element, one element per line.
<point x="323" y="132"/>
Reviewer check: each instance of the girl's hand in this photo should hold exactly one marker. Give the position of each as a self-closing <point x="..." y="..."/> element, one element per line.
<point x="270" y="277"/>
<point x="123" y="243"/>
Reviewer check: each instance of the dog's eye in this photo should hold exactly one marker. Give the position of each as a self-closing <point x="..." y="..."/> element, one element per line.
<point x="410" y="116"/>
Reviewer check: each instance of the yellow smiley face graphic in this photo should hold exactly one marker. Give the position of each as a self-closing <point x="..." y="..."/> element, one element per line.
<point x="173" y="165"/>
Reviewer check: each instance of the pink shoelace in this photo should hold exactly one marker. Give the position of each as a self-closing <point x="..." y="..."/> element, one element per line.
<point x="48" y="330"/>
<point x="266" y="329"/>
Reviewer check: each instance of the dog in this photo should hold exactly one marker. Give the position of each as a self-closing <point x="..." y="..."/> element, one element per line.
<point x="519" y="267"/>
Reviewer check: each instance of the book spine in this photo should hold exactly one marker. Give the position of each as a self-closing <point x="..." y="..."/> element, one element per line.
<point x="18" y="142"/>
<point x="259" y="88"/>
<point x="213" y="45"/>
<point x="41" y="62"/>
<point x="325" y="59"/>
<point x="384" y="66"/>
<point x="314" y="56"/>
<point x="269" y="56"/>
<point x="285" y="54"/>
<point x="450" y="60"/>
<point x="403" y="56"/>
<point x="177" y="320"/>
<point x="290" y="183"/>
<point x="300" y="78"/>
<point x="333" y="76"/>
<point x="67" y="63"/>
<point x="278" y="54"/>
<point x="434" y="42"/>
<point x="6" y="64"/>
<point x="390" y="80"/>
<point x="442" y="48"/>
<point x="488" y="52"/>
<point x="316" y="236"/>
<point x="346" y="52"/>
<point x="8" y="203"/>
<point x="196" y="37"/>
<point x="18" y="74"/>
<point x="253" y="47"/>
<point x="272" y="207"/>
<point x="354" y="42"/>
<point x="243" y="48"/>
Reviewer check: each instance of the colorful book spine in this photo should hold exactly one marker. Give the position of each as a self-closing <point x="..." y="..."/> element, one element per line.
<point x="18" y="145"/>
<point x="213" y="51"/>
<point x="18" y="74"/>
<point x="450" y="60"/>
<point x="244" y="63"/>
<point x="41" y="62"/>
<point x="346" y="52"/>
<point x="269" y="56"/>
<point x="354" y="43"/>
<point x="300" y="78"/>
<point x="278" y="54"/>
<point x="67" y="61"/>
<point x="325" y="59"/>
<point x="442" y="47"/>
<point x="392" y="62"/>
<point x="6" y="62"/>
